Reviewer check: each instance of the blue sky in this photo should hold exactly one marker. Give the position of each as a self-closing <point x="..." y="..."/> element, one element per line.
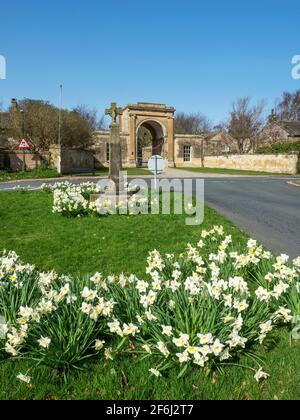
<point x="193" y="55"/>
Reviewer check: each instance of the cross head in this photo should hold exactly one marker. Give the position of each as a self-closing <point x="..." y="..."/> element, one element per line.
<point x="114" y="111"/>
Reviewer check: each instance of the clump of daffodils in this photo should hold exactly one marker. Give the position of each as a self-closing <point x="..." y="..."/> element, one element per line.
<point x="75" y="200"/>
<point x="204" y="309"/>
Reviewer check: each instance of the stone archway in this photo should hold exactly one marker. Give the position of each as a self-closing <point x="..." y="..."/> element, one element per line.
<point x="150" y="141"/>
<point x="158" y="121"/>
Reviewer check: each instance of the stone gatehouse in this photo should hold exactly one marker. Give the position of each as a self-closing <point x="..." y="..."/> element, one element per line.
<point x="148" y="129"/>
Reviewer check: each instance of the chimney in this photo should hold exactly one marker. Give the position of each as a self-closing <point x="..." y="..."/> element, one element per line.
<point x="14" y="104"/>
<point x="273" y="117"/>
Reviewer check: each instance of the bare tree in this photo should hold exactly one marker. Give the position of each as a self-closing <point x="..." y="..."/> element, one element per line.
<point x="245" y="123"/>
<point x="194" y="123"/>
<point x="288" y="107"/>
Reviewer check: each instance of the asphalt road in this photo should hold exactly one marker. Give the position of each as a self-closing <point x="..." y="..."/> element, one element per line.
<point x="267" y="208"/>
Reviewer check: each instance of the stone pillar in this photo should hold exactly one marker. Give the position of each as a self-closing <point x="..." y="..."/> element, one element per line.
<point x="115" y="156"/>
<point x="55" y="157"/>
<point x="132" y="142"/>
<point x="171" y="148"/>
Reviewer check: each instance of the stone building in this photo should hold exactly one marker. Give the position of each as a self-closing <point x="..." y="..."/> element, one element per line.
<point x="148" y="129"/>
<point x="280" y="132"/>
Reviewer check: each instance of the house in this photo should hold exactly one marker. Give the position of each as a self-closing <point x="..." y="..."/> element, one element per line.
<point x="279" y="131"/>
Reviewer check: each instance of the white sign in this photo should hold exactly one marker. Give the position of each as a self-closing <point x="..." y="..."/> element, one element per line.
<point x="157" y="164"/>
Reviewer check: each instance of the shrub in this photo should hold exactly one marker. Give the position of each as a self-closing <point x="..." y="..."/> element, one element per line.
<point x="280" y="148"/>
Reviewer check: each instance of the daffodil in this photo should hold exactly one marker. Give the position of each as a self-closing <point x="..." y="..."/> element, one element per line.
<point x="260" y="375"/>
<point x="44" y="342"/>
<point x="24" y="378"/>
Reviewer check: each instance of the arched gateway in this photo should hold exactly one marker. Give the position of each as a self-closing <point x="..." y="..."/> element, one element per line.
<point x="145" y="129"/>
<point x="154" y="121"/>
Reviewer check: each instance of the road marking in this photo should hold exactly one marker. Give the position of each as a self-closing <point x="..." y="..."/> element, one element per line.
<point x="294" y="184"/>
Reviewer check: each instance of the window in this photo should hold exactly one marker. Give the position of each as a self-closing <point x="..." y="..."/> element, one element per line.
<point x="107" y="152"/>
<point x="187" y="155"/>
<point x="225" y="148"/>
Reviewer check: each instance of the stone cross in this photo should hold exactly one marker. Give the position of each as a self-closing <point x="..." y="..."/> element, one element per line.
<point x="114" y="111"/>
<point x="115" y="164"/>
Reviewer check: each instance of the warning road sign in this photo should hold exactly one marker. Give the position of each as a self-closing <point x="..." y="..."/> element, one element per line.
<point x="24" y="144"/>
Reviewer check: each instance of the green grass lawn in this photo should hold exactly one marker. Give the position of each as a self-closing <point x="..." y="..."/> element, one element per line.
<point x="52" y="173"/>
<point x="229" y="171"/>
<point x="112" y="245"/>
<point x="109" y="244"/>
<point x="36" y="173"/>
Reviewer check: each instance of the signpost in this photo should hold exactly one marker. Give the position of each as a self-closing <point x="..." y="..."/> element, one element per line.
<point x="156" y="165"/>
<point x="24" y="145"/>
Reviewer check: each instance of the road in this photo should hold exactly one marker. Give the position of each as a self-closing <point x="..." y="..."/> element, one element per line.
<point x="267" y="208"/>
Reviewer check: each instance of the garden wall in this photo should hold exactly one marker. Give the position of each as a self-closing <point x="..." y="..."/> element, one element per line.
<point x="281" y="163"/>
<point x="67" y="161"/>
<point x="13" y="160"/>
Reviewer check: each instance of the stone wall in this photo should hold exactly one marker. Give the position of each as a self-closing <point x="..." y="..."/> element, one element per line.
<point x="13" y="160"/>
<point x="281" y="163"/>
<point x="68" y="161"/>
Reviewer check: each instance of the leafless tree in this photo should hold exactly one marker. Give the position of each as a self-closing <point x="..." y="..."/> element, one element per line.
<point x="288" y="107"/>
<point x="194" y="123"/>
<point x="245" y="123"/>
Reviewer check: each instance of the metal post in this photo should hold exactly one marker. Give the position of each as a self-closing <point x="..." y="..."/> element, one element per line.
<point x="59" y="116"/>
<point x="59" y="129"/>
<point x="155" y="177"/>
<point x="23" y="137"/>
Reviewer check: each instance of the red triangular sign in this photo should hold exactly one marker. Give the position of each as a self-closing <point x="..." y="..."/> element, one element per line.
<point x="24" y="144"/>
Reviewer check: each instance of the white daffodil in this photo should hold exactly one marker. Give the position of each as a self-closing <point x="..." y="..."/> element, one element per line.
<point x="217" y="348"/>
<point x="283" y="313"/>
<point x="280" y="289"/>
<point x="150" y="316"/>
<point x="200" y="360"/>
<point x="147" y="348"/>
<point x="205" y="339"/>
<point x="155" y="372"/>
<point x="263" y="295"/>
<point x="114" y="326"/>
<point x="142" y="286"/>
<point x="240" y="306"/>
<point x="182" y="341"/>
<point x="205" y="350"/>
<point x="26" y="312"/>
<point x="260" y="375"/>
<point x="130" y="329"/>
<point x="166" y="330"/>
<point x="266" y="327"/>
<point x="88" y="294"/>
<point x="183" y="357"/>
<point x="24" y="378"/>
<point x="108" y="354"/>
<point x="99" y="345"/>
<point x="163" y="348"/>
<point x="44" y="342"/>
<point x="86" y="308"/>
